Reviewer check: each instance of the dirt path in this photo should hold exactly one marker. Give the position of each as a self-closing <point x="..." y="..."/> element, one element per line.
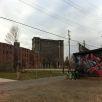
<point x="56" y="89"/>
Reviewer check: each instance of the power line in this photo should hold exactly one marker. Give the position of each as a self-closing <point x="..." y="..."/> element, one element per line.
<point x="56" y="14"/>
<point x="90" y="19"/>
<point x="34" y="32"/>
<point x="40" y="29"/>
<point x="87" y="46"/>
<point x="93" y="5"/>
<point x="82" y="43"/>
<point x="32" y="27"/>
<point x="58" y="17"/>
<point x="66" y="38"/>
<point x="71" y="40"/>
<point x="44" y="36"/>
<point x="80" y="8"/>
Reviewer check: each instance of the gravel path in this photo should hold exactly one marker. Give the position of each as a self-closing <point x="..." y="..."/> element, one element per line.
<point x="54" y="89"/>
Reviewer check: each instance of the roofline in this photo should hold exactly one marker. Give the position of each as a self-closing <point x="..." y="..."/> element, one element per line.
<point x="46" y="39"/>
<point x="6" y="43"/>
<point x="90" y="51"/>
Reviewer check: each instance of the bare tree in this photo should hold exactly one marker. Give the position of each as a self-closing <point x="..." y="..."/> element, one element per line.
<point x="13" y="35"/>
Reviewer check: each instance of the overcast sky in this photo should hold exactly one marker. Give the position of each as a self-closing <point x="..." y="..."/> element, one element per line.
<point x="82" y="17"/>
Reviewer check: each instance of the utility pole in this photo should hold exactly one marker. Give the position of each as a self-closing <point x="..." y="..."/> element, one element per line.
<point x="69" y="47"/>
<point x="69" y="42"/>
<point x="59" y="54"/>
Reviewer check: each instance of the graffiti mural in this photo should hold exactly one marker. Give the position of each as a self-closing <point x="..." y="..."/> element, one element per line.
<point x="89" y="64"/>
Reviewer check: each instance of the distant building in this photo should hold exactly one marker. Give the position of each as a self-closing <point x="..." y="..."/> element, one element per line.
<point x="44" y="53"/>
<point x="10" y="55"/>
<point x="51" y="51"/>
<point x="24" y="57"/>
<point x="35" y="59"/>
<point x="6" y="56"/>
<point x="82" y="48"/>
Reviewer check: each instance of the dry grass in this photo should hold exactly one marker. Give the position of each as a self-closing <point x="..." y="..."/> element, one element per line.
<point x="31" y="75"/>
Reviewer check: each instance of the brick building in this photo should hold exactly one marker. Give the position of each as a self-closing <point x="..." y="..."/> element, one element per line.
<point x="35" y="59"/>
<point x="24" y="57"/>
<point x="51" y="51"/>
<point x="6" y="56"/>
<point x="10" y="56"/>
<point x="44" y="53"/>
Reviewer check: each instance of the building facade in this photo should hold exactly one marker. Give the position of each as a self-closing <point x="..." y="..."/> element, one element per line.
<point x="51" y="51"/>
<point x="35" y="59"/>
<point x="45" y="53"/>
<point x="6" y="56"/>
<point x="10" y="55"/>
<point x="24" y="57"/>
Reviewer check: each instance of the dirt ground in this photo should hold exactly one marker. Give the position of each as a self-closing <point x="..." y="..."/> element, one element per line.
<point x="56" y="89"/>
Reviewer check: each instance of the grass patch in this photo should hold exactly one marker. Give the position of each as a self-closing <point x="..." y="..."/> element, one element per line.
<point x="8" y="75"/>
<point x="31" y="75"/>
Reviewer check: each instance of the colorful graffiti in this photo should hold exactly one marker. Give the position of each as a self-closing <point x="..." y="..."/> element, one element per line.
<point x="90" y="65"/>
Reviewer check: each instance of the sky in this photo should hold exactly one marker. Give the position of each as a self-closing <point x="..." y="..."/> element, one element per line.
<point x="83" y="18"/>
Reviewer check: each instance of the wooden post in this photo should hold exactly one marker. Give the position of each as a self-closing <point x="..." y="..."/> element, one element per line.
<point x="18" y="73"/>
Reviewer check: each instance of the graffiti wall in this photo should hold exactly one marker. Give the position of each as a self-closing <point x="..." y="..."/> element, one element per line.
<point x="89" y="63"/>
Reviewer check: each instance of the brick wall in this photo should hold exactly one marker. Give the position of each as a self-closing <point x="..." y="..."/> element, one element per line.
<point x="24" y="57"/>
<point x="6" y="55"/>
<point x="35" y="59"/>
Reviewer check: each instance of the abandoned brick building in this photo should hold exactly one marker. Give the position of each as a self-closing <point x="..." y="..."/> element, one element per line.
<point x="44" y="53"/>
<point x="8" y="58"/>
<point x="51" y="51"/>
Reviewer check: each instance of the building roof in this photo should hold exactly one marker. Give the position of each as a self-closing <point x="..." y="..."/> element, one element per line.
<point x="90" y="51"/>
<point x="46" y="39"/>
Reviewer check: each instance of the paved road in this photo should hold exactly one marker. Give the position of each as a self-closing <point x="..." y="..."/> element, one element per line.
<point x="54" y="89"/>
